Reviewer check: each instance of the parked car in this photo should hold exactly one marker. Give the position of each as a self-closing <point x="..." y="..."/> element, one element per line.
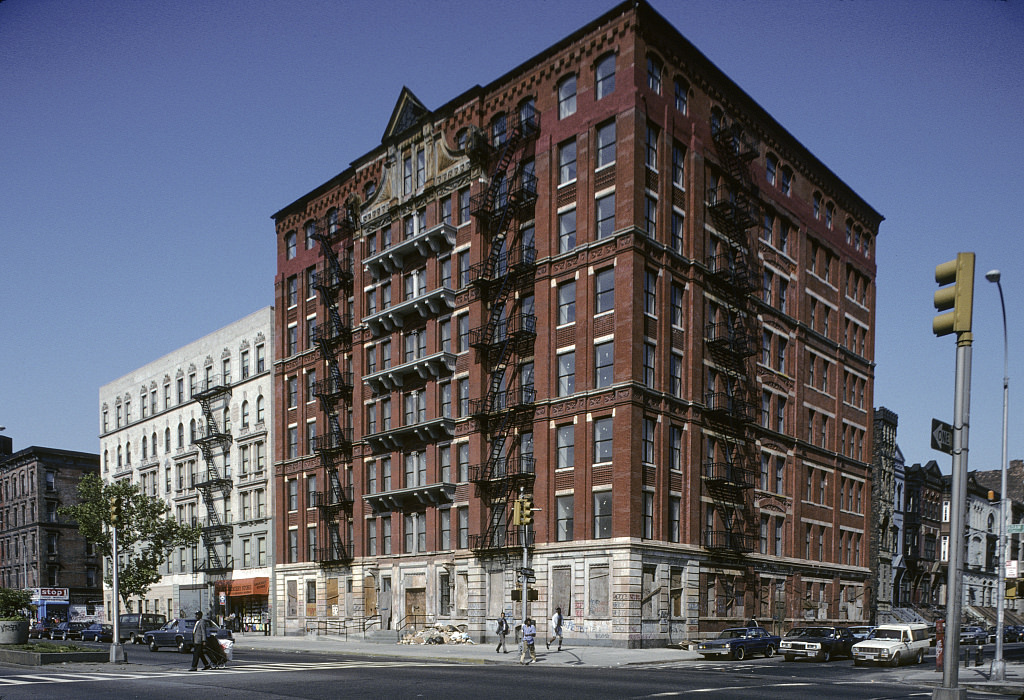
<point x="178" y="634"/>
<point x="861" y="632"/>
<point x="973" y="635"/>
<point x="98" y="632"/>
<point x="132" y="626"/>
<point x="818" y="643"/>
<point x="893" y="644"/>
<point x="740" y="642"/>
<point x="68" y="630"/>
<point x="39" y="630"/>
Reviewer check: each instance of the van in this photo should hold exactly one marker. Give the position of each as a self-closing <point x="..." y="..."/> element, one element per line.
<point x="894" y="644"/>
<point x="133" y="626"/>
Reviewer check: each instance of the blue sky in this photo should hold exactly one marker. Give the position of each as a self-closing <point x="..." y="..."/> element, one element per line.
<point x="144" y="147"/>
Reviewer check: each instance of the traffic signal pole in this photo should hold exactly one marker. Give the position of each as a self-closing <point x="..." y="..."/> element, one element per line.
<point x="959" y="299"/>
<point x="116" y="648"/>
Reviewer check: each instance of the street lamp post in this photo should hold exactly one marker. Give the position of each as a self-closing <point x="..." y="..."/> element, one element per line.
<point x="999" y="663"/>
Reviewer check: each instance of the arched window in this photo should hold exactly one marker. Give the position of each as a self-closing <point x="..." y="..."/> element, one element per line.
<point x="682" y="90"/>
<point x="771" y="167"/>
<point x="145" y="451"/>
<point x="567" y="96"/>
<point x="310" y="232"/>
<point x="604" y="76"/>
<point x="654" y="70"/>
<point x="499" y="130"/>
<point x="332" y="221"/>
<point x="153" y="442"/>
<point x="245" y="414"/>
<point x="181" y="436"/>
<point x="289" y="245"/>
<point x="192" y="430"/>
<point x="128" y="454"/>
<point x="120" y="456"/>
<point x="259" y="409"/>
<point x="528" y="112"/>
<point x="167" y="440"/>
<point x="106" y="460"/>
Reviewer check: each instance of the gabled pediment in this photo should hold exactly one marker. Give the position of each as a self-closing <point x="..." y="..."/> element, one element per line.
<point x="408" y="110"/>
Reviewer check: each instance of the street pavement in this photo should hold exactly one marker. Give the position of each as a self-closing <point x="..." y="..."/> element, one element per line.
<point x="971" y="677"/>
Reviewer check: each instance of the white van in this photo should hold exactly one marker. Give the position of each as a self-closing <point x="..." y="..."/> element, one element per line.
<point x="894" y="644"/>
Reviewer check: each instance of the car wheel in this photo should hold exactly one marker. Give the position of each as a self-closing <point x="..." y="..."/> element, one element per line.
<point x="152" y="645"/>
<point x="826" y="655"/>
<point x="789" y="657"/>
<point x="769" y="652"/>
<point x="895" y="660"/>
<point x="132" y="639"/>
<point x="738" y="653"/>
<point x="920" y="656"/>
<point x="181" y="645"/>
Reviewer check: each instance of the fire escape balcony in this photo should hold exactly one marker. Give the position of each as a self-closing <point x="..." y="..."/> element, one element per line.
<point x="736" y="141"/>
<point x="496" y="403"/>
<point x="337" y="553"/>
<point x="212" y="388"/>
<point x="334" y="332"/>
<point x="508" y="198"/>
<point x="332" y="500"/>
<point x="733" y="273"/>
<point x="334" y="388"/>
<point x="732" y="210"/>
<point x="215" y="565"/>
<point x="730" y="339"/>
<point x="727" y="475"/>
<point x="519" y="332"/>
<point x="722" y="405"/>
<point x="440" y="428"/>
<point x="212" y="480"/>
<point x="515" y="469"/>
<point x="499" y="540"/>
<point x="424" y="244"/>
<point x="411" y="498"/>
<point x="433" y="303"/>
<point x="521" y="263"/>
<point x="333" y="278"/>
<point x="727" y="540"/>
<point x="214" y="529"/>
<point x="334" y="442"/>
<point x="429" y="367"/>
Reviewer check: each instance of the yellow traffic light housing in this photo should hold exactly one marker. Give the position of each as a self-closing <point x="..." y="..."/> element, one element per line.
<point x="526" y="510"/>
<point x="957" y="301"/>
<point x="116" y="511"/>
<point x="517" y="512"/>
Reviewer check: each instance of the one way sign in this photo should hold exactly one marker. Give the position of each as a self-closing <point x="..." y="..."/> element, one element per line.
<point x="942" y="436"/>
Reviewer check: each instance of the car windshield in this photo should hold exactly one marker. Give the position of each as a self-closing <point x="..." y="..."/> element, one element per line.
<point x="732" y="634"/>
<point x="882" y="633"/>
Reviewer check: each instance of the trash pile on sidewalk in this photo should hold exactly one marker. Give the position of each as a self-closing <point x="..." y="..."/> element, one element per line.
<point x="439" y="634"/>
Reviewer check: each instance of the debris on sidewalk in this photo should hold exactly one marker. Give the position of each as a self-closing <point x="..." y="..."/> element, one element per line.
<point x="439" y="634"/>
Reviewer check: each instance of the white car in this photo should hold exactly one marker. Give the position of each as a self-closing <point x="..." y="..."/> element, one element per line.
<point x="894" y="644"/>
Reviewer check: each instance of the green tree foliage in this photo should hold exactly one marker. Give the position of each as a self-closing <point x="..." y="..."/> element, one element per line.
<point x="14" y="603"/>
<point x="145" y="538"/>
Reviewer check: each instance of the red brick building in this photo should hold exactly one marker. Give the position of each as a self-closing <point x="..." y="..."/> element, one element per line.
<point x="610" y="280"/>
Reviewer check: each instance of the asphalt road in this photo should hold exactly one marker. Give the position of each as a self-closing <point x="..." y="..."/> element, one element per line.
<point x="272" y="674"/>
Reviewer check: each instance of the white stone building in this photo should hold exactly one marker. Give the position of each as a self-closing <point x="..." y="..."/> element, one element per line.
<point x="193" y="428"/>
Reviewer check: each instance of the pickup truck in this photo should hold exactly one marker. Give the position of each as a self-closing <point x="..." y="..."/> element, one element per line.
<point x="819" y="643"/>
<point x="740" y="642"/>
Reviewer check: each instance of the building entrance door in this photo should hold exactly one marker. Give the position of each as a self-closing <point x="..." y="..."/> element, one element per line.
<point x="416" y="607"/>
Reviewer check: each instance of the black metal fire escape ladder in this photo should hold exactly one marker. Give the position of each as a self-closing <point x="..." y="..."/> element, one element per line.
<point x="214" y="441"/>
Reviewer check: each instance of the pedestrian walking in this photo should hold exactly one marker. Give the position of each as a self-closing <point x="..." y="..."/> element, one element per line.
<point x="556" y="628"/>
<point x="502" y="632"/>
<point x="529" y="634"/>
<point x="199" y="634"/>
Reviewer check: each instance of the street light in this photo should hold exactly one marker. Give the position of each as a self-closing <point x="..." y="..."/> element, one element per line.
<point x="998" y="663"/>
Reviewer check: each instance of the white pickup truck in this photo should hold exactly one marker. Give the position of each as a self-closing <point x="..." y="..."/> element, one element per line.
<point x="894" y="644"/>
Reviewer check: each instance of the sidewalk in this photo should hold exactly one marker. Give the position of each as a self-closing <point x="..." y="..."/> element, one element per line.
<point x="972" y="677"/>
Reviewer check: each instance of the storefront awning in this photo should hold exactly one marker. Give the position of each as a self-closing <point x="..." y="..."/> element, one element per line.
<point x="244" y="586"/>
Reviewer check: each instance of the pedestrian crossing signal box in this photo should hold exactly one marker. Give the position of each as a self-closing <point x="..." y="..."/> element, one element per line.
<point x="531" y="594"/>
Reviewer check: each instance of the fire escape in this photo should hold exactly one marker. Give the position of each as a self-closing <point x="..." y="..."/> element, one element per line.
<point x="215" y="442"/>
<point x="509" y="332"/>
<point x="333" y="337"/>
<point x="731" y="342"/>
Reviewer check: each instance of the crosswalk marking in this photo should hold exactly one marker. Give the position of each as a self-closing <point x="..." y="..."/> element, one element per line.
<point x="234" y="669"/>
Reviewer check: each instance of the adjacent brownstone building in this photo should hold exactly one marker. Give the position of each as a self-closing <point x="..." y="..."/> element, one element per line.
<point x="39" y="549"/>
<point x="608" y="279"/>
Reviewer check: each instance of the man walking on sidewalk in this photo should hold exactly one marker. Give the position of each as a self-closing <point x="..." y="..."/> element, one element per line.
<point x="502" y="632"/>
<point x="556" y="628"/>
<point x="529" y="634"/>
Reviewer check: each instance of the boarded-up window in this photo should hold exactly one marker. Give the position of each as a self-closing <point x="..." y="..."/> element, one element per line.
<point x="292" y="594"/>
<point x="649" y="606"/>
<point x="675" y="592"/>
<point x="331" y="597"/>
<point x="461" y="594"/>
<point x="598" y="587"/>
<point x="495" y="593"/>
<point x="311" y="598"/>
<point x="561" y="590"/>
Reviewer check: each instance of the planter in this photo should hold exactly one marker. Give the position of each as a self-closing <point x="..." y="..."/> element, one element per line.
<point x="38" y="658"/>
<point x="14" y="631"/>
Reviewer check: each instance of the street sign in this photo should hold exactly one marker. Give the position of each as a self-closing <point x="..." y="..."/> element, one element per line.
<point x="1012" y="569"/>
<point x="942" y="436"/>
<point x="1015" y="529"/>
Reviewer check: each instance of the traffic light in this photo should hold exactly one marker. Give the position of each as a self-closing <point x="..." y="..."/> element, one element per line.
<point x="1011" y="588"/>
<point x="526" y="510"/>
<point x="958" y="300"/>
<point x="517" y="512"/>
<point x="116" y="511"/>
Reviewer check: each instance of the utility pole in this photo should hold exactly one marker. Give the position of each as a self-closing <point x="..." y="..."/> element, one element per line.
<point x="958" y="299"/>
<point x="116" y="648"/>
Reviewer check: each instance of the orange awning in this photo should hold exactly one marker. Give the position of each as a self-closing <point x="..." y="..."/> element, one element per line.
<point x="244" y="586"/>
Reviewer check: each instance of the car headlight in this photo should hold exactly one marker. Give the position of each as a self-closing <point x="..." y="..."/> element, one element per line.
<point x="728" y="646"/>
<point x="814" y="645"/>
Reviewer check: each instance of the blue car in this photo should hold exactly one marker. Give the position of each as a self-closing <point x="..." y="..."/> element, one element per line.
<point x="98" y="632"/>
<point x="178" y="634"/>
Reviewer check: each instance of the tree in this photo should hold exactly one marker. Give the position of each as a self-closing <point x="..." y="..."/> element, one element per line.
<point x="145" y="537"/>
<point x="14" y="603"/>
